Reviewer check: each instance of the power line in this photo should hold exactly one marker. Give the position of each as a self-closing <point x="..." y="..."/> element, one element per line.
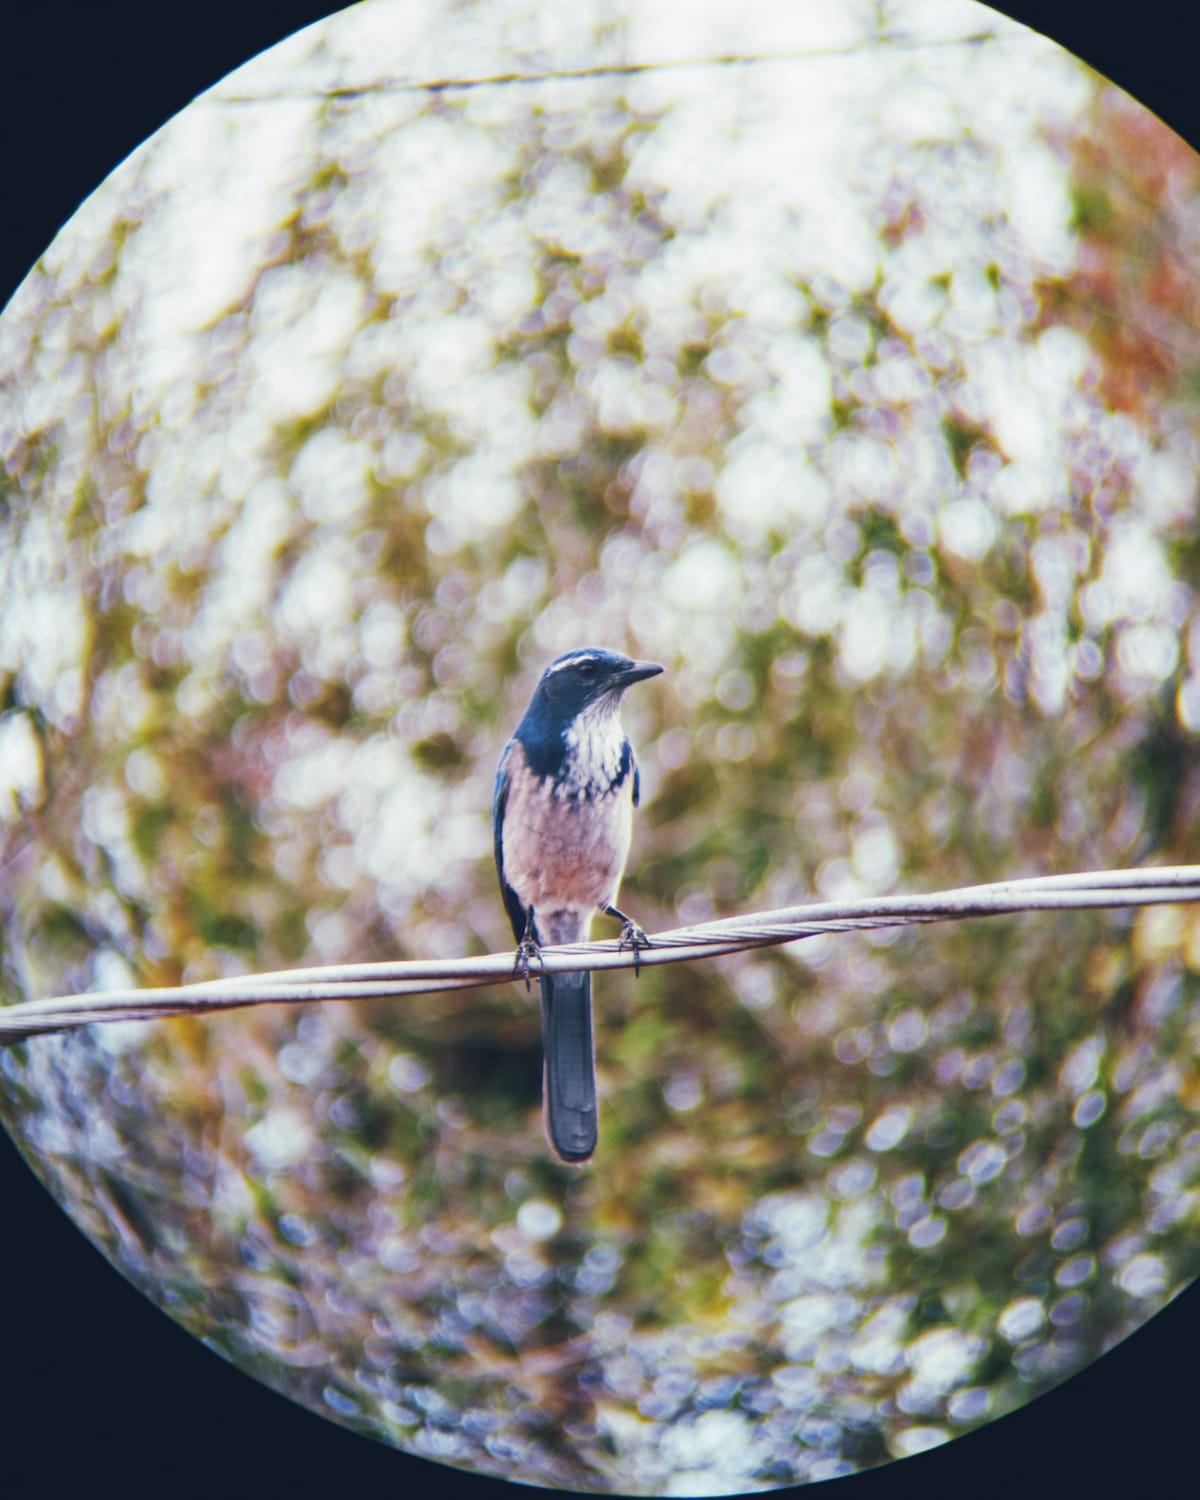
<point x="602" y="70"/>
<point x="1093" y="890"/>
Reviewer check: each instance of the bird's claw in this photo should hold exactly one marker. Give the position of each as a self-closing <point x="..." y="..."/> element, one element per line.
<point x="633" y="937"/>
<point x="528" y="950"/>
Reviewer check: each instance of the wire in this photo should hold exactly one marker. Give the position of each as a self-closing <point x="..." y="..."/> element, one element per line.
<point x="600" y="70"/>
<point x="1093" y="890"/>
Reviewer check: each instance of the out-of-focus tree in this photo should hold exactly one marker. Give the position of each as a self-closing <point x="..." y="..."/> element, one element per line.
<point x="855" y="388"/>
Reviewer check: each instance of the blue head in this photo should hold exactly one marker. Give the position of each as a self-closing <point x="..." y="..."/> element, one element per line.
<point x="582" y="678"/>
<point x="588" y="680"/>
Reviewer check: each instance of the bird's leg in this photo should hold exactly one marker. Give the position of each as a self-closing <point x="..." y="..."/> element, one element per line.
<point x="632" y="936"/>
<point x="528" y="948"/>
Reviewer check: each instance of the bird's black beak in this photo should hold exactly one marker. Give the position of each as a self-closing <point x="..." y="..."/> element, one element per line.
<point x="637" y="672"/>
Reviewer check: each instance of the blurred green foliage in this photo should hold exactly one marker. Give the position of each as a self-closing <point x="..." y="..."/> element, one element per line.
<point x="910" y="517"/>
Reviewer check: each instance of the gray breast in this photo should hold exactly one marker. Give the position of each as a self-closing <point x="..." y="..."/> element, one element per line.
<point x="565" y="851"/>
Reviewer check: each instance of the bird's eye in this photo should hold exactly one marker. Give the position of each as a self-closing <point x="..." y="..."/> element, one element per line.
<point x="587" y="668"/>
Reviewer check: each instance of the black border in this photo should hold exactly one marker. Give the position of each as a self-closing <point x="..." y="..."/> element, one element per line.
<point x="101" y="1391"/>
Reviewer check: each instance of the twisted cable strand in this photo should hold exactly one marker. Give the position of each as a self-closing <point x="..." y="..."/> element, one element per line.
<point x="1091" y="890"/>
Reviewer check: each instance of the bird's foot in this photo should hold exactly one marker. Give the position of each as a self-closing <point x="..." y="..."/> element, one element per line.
<point x="632" y="936"/>
<point x="528" y="950"/>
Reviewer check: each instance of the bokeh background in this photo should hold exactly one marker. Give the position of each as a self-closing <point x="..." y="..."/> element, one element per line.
<point x="854" y="381"/>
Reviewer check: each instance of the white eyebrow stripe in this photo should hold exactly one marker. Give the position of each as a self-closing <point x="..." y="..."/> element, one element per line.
<point x="571" y="661"/>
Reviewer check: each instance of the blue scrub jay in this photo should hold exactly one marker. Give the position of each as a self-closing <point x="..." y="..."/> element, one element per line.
<point x="563" y="816"/>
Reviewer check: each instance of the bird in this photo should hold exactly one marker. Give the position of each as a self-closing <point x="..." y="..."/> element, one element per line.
<point x="562" y="812"/>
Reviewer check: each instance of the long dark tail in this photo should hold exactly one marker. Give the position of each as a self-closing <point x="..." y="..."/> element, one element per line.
<point x="569" y="1080"/>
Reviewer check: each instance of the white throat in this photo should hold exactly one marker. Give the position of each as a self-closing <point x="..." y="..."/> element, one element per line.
<point x="595" y="746"/>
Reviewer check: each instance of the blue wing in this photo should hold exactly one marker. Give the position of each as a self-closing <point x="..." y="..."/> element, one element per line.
<point x="516" y="912"/>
